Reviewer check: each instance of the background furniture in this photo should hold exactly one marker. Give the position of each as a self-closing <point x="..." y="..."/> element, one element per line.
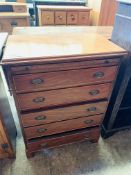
<point x="118" y="114"/>
<point x="12" y="15"/>
<point x="7" y="126"/>
<point x="10" y="20"/>
<point x="55" y="3"/>
<point x="13" y="7"/>
<point x="63" y="15"/>
<point x="61" y="94"/>
<point x="107" y="12"/>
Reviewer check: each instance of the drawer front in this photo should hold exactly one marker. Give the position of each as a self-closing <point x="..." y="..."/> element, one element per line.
<point x="50" y="116"/>
<point x="6" y="25"/>
<point x="72" y="137"/>
<point x="63" y="79"/>
<point x="72" y="18"/>
<point x="20" y="9"/>
<point x="63" y="66"/>
<point x="60" y="17"/>
<point x="63" y="126"/>
<point x="84" y="18"/>
<point x="47" y="18"/>
<point x="63" y="96"/>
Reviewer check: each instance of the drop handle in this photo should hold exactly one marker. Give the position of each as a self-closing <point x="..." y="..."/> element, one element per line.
<point x="88" y="121"/>
<point x="60" y="17"/>
<point x="40" y="117"/>
<point x="13" y="23"/>
<point x="98" y="74"/>
<point x="94" y="92"/>
<point x="38" y="100"/>
<point x="37" y="81"/>
<point x="91" y="109"/>
<point x="41" y="130"/>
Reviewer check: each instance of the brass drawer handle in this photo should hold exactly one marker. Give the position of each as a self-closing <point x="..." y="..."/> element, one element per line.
<point x="94" y="92"/>
<point x="43" y="145"/>
<point x="88" y="122"/>
<point x="92" y="109"/>
<point x="41" y="130"/>
<point x="40" y="117"/>
<point x="37" y="81"/>
<point x="14" y="23"/>
<point x="98" y="74"/>
<point x="38" y="100"/>
<point x="47" y="17"/>
<point x="60" y="17"/>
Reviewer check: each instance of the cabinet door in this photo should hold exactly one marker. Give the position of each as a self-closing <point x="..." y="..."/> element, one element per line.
<point x="72" y="18"/>
<point x="84" y="18"/>
<point x="47" y="18"/>
<point x="60" y="18"/>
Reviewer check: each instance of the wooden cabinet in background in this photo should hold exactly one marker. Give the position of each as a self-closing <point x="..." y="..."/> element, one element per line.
<point x="63" y="15"/>
<point x="10" y="20"/>
<point x="13" y="7"/>
<point x="107" y="12"/>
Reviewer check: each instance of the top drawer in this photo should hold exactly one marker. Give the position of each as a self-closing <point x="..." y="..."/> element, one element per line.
<point x="63" y="79"/>
<point x="36" y="68"/>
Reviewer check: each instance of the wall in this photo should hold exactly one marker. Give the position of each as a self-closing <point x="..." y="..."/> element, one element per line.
<point x="95" y="5"/>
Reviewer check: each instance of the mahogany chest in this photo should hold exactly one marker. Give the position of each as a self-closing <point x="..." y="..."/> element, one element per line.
<point x="61" y="87"/>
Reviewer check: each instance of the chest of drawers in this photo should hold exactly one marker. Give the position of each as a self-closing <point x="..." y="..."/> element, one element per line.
<point x="10" y="20"/>
<point x="61" y="87"/>
<point x="63" y="15"/>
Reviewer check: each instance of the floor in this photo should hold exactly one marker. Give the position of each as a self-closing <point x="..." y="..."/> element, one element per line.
<point x="107" y="157"/>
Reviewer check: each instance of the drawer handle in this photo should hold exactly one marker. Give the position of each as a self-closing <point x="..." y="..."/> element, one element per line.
<point x="98" y="74"/>
<point x="41" y="130"/>
<point x="48" y="17"/>
<point x="92" y="109"/>
<point x="94" y="92"/>
<point x="88" y="121"/>
<point x="40" y="117"/>
<point x="14" y="23"/>
<point x="60" y="17"/>
<point x="37" y="81"/>
<point x="38" y="100"/>
<point x="43" y="145"/>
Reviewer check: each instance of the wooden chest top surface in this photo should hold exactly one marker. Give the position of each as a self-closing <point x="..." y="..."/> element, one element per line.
<point x="56" y="46"/>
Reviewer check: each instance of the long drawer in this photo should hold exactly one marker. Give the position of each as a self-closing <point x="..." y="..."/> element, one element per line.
<point x="63" y="79"/>
<point x="71" y="137"/>
<point x="63" y="126"/>
<point x="50" y="116"/>
<point x="63" y="96"/>
<point x="37" y="68"/>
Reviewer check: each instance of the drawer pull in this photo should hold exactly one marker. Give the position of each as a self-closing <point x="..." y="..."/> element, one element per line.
<point x="88" y="121"/>
<point x="60" y="17"/>
<point x="94" y="92"/>
<point x="40" y="117"/>
<point x="37" y="81"/>
<point x="41" y="130"/>
<point x="92" y="109"/>
<point x="98" y="74"/>
<point x="43" y="145"/>
<point x="48" y="17"/>
<point x="38" y="100"/>
<point x="14" y="23"/>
